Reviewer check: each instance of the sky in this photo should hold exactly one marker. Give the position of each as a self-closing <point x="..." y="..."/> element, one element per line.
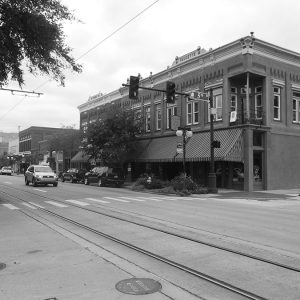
<point x="162" y="30"/>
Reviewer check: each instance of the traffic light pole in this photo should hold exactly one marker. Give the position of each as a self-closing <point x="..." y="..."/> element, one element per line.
<point x="212" y="181"/>
<point x="157" y="90"/>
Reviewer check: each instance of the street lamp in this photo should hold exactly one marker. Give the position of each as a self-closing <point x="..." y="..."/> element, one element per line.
<point x="212" y="180"/>
<point x="186" y="133"/>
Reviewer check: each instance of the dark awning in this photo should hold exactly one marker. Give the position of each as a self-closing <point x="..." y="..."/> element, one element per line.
<point x="80" y="157"/>
<point x="163" y="149"/>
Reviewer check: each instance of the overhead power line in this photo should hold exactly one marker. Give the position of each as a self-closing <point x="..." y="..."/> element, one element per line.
<point x="109" y="36"/>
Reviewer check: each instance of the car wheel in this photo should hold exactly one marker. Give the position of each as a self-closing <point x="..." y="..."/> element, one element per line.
<point x="55" y="184"/>
<point x="63" y="179"/>
<point x="26" y="181"/>
<point x="34" y="182"/>
<point x="72" y="179"/>
<point x="86" y="181"/>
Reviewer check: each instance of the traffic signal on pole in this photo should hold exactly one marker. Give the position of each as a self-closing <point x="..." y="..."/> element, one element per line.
<point x="216" y="144"/>
<point x="170" y="91"/>
<point x="134" y="87"/>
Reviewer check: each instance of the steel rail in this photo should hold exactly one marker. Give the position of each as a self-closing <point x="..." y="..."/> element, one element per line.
<point x="226" y="249"/>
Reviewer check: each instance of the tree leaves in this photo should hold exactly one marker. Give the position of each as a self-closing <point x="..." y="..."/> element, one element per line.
<point x="31" y="34"/>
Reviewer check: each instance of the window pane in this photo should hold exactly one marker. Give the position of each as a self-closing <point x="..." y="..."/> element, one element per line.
<point x="276" y="102"/>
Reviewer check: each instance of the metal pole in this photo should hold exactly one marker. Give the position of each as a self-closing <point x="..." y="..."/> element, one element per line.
<point x="212" y="184"/>
<point x="184" y="140"/>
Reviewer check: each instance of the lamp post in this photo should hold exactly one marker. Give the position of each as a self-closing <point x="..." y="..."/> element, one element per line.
<point x="186" y="133"/>
<point x="212" y="182"/>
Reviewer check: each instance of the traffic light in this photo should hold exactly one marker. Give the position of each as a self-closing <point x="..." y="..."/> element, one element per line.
<point x="216" y="144"/>
<point x="134" y="87"/>
<point x="170" y="91"/>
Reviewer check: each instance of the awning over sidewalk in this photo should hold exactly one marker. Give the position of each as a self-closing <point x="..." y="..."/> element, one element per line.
<point x="163" y="149"/>
<point x="80" y="157"/>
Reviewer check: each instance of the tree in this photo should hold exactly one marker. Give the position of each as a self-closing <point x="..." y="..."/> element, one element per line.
<point x="31" y="36"/>
<point x="111" y="140"/>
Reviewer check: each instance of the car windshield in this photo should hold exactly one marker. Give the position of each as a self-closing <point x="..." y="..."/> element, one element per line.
<point x="43" y="169"/>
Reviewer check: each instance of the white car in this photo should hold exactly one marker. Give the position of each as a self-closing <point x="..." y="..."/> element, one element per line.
<point x="6" y="171"/>
<point x="38" y="174"/>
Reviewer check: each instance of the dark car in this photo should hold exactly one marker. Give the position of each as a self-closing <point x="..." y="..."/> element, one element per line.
<point x="105" y="176"/>
<point x="73" y="175"/>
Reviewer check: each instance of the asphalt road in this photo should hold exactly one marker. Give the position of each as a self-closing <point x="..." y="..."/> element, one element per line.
<point x="267" y="228"/>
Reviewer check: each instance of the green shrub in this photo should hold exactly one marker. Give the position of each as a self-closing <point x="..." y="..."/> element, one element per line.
<point x="182" y="183"/>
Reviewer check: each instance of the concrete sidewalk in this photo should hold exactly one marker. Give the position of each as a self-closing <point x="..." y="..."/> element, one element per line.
<point x="43" y="261"/>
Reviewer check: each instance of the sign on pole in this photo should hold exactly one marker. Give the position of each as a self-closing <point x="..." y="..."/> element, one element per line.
<point x="175" y="122"/>
<point x="179" y="148"/>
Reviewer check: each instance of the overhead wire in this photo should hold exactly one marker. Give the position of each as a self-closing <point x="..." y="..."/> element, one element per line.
<point x="92" y="48"/>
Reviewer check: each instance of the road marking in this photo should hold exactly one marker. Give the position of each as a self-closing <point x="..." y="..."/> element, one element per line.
<point x="10" y="206"/>
<point x="40" y="190"/>
<point x="164" y="198"/>
<point x="134" y="199"/>
<point x="7" y="182"/>
<point x="56" y="204"/>
<point x="116" y="199"/>
<point x="28" y="205"/>
<point x="97" y="200"/>
<point x="151" y="199"/>
<point x="36" y="205"/>
<point x="78" y="202"/>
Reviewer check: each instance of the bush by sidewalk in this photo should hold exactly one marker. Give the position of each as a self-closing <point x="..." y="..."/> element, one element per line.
<point x="180" y="185"/>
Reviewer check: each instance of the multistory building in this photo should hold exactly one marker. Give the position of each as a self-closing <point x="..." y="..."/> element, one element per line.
<point x="256" y="106"/>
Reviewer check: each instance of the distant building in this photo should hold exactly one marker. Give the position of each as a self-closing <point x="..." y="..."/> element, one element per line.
<point x="3" y="148"/>
<point x="34" y="146"/>
<point x="256" y="107"/>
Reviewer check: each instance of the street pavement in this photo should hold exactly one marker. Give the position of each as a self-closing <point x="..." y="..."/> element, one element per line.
<point x="40" y="262"/>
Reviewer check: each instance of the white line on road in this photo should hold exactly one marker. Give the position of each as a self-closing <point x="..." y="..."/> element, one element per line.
<point x="7" y="182"/>
<point x="40" y="190"/>
<point x="78" y="202"/>
<point x="151" y="199"/>
<point x="10" y="206"/>
<point x="134" y="199"/>
<point x="56" y="204"/>
<point x="97" y="200"/>
<point x="116" y="199"/>
<point x="36" y="205"/>
<point x="28" y="205"/>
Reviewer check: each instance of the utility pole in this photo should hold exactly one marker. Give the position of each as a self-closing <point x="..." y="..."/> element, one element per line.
<point x="212" y="181"/>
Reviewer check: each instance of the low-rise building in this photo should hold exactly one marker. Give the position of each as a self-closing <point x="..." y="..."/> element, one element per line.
<point x="255" y="87"/>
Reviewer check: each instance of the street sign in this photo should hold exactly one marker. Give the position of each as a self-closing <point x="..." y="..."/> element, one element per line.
<point x="197" y="95"/>
<point x="179" y="148"/>
<point x="175" y="122"/>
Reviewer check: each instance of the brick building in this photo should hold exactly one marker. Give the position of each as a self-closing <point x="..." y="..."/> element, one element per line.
<point x="256" y="96"/>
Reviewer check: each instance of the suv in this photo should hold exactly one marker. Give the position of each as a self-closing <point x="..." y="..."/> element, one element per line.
<point x="105" y="176"/>
<point x="6" y="171"/>
<point x="38" y="174"/>
<point x="73" y="175"/>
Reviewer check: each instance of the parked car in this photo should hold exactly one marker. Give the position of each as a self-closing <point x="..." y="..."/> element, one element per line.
<point x="105" y="176"/>
<point x="39" y="174"/>
<point x="73" y="175"/>
<point x="6" y="171"/>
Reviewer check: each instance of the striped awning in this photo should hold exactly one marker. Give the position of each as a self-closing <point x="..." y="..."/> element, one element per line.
<point x="163" y="149"/>
<point x="80" y="157"/>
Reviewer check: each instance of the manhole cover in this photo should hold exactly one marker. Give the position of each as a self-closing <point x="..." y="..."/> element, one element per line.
<point x="138" y="286"/>
<point x="2" y="266"/>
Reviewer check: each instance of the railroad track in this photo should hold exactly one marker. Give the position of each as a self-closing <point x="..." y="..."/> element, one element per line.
<point x="186" y="269"/>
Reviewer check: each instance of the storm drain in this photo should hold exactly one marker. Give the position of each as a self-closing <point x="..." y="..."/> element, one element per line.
<point x="138" y="286"/>
<point x="2" y="266"/>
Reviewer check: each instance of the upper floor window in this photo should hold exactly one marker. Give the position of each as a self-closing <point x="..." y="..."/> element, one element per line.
<point x="276" y="103"/>
<point x="147" y="119"/>
<point x="158" y="116"/>
<point x="296" y="107"/>
<point x="258" y="102"/>
<point x="171" y="111"/>
<point x="192" y="112"/>
<point x="217" y="104"/>
<point x="233" y="100"/>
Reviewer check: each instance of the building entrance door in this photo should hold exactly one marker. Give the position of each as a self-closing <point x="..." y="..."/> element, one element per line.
<point x="258" y="171"/>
